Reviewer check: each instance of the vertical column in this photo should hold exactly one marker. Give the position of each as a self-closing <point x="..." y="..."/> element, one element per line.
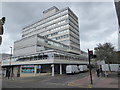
<point x="60" y="69"/>
<point x="53" y="73"/>
<point x="20" y="71"/>
<point x="35" y="69"/>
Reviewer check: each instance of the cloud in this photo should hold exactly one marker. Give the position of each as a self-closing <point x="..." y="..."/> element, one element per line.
<point x="7" y="42"/>
<point x="97" y="21"/>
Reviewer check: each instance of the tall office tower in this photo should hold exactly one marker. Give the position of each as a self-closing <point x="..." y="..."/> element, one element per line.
<point x="59" y="25"/>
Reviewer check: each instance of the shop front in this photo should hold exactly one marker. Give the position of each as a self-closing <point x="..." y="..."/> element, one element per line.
<point x="27" y="70"/>
<point x="30" y="70"/>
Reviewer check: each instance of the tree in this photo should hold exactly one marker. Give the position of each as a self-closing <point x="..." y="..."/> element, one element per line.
<point x="105" y="52"/>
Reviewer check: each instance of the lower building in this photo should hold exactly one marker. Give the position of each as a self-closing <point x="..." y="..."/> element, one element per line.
<point x="36" y="54"/>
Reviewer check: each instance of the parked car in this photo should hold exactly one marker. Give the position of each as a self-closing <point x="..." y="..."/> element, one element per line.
<point x="113" y="67"/>
<point x="71" y="69"/>
<point x="83" y="68"/>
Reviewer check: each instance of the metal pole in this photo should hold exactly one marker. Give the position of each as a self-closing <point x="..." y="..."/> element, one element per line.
<point x="10" y="55"/>
<point x="10" y="61"/>
<point x="90" y="67"/>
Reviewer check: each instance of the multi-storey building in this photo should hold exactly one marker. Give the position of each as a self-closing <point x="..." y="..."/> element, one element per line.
<point x="50" y="42"/>
<point x="59" y="25"/>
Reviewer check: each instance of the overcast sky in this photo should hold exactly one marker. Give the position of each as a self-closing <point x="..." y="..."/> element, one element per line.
<point x="97" y="21"/>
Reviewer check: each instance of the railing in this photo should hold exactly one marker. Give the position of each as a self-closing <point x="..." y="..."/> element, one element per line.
<point x="43" y="57"/>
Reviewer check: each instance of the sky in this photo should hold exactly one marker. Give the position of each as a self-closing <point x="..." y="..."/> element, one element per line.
<point x="97" y="21"/>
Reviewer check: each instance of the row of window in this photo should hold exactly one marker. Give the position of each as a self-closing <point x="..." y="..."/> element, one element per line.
<point x="56" y="33"/>
<point x="64" y="57"/>
<point x="60" y="22"/>
<point x="46" y="23"/>
<point x="47" y="19"/>
<point x="42" y="57"/>
<point x="73" y="22"/>
<point x="60" y="45"/>
<point x="52" y="43"/>
<point x="65" y="41"/>
<point x="51" y="30"/>
<point x="57" y="44"/>
<point x="73" y="16"/>
<point x="42" y="48"/>
<point x="76" y="39"/>
<point x="75" y="28"/>
<point x="57" y="28"/>
<point x="31" y="58"/>
<point x="61" y="37"/>
<point x="74" y="34"/>
<point x="72" y="42"/>
<point x="74" y="48"/>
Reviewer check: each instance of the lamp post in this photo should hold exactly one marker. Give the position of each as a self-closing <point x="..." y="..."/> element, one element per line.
<point x="10" y="63"/>
<point x="10" y="55"/>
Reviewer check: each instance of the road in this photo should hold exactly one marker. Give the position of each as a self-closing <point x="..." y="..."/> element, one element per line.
<point x="58" y="81"/>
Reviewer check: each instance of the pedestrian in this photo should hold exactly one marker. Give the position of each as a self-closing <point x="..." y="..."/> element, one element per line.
<point x="8" y="74"/>
<point x="98" y="72"/>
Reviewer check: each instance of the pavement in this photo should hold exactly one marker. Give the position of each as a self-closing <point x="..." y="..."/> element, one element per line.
<point x="112" y="81"/>
<point x="42" y="81"/>
<point x="81" y="80"/>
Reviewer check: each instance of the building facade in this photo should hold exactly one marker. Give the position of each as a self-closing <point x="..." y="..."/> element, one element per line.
<point x="59" y="25"/>
<point x="48" y="45"/>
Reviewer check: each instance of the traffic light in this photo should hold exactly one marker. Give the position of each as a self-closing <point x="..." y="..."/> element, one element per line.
<point x="92" y="55"/>
<point x="2" y="22"/>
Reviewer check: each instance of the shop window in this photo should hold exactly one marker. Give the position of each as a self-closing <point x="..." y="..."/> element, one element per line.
<point x="27" y="69"/>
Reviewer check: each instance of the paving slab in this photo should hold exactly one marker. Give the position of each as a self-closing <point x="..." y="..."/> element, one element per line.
<point x="98" y="82"/>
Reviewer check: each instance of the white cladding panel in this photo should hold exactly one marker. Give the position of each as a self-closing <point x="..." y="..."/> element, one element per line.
<point x="30" y="41"/>
<point x="25" y="51"/>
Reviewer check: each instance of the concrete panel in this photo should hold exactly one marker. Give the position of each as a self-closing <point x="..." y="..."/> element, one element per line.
<point x="25" y="51"/>
<point x="30" y="41"/>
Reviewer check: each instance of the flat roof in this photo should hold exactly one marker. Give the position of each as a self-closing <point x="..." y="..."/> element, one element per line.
<point x="50" y="16"/>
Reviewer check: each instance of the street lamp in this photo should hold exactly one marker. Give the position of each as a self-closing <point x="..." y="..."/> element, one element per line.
<point x="10" y="55"/>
